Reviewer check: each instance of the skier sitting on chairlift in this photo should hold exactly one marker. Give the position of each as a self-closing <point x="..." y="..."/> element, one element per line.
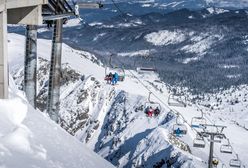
<point x="109" y="78"/>
<point x="178" y="131"/>
<point x="115" y="79"/>
<point x="156" y="111"/>
<point x="147" y="110"/>
<point x="150" y="112"/>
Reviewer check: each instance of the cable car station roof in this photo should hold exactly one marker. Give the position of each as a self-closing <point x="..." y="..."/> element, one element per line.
<point x="55" y="9"/>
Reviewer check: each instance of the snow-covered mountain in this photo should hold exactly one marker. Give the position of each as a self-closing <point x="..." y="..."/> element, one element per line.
<point x="111" y="120"/>
<point x="170" y="39"/>
<point x="184" y="39"/>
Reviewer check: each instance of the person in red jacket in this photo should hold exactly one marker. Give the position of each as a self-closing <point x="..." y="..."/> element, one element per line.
<point x="150" y="112"/>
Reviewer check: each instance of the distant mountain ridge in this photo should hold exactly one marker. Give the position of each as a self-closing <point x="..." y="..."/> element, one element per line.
<point x="178" y="44"/>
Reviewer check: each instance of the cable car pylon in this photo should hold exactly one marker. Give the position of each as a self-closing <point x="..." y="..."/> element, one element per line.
<point x="30" y="64"/>
<point x="55" y="72"/>
<point x="53" y="102"/>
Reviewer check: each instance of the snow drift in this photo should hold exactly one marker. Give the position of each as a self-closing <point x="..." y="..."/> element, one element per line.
<point x="30" y="139"/>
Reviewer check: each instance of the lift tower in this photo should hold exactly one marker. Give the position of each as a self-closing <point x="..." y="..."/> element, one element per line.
<point x="212" y="131"/>
<point x="55" y="67"/>
<point x="30" y="64"/>
<point x="62" y="10"/>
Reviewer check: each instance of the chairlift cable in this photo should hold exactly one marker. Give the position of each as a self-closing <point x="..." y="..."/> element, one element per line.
<point x="117" y="7"/>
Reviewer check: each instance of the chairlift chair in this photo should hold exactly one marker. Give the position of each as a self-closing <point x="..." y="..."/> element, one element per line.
<point x="235" y="162"/>
<point x="179" y="128"/>
<point x="197" y="122"/>
<point x="226" y="149"/>
<point x="152" y="104"/>
<point x="119" y="70"/>
<point x="175" y="101"/>
<point x="199" y="142"/>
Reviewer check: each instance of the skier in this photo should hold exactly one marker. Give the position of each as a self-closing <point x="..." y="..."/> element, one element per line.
<point x="178" y="131"/>
<point x="115" y="78"/>
<point x="150" y="112"/>
<point x="146" y="110"/>
<point x="108" y="78"/>
<point x="156" y="111"/>
<point x="111" y="76"/>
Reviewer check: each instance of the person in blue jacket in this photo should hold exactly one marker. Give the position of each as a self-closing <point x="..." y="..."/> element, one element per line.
<point x="178" y="132"/>
<point x="115" y="78"/>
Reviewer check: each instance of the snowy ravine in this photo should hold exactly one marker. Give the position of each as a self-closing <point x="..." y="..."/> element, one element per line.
<point x="111" y="120"/>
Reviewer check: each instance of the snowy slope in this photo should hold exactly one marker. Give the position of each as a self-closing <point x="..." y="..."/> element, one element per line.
<point x="30" y="139"/>
<point x="111" y="120"/>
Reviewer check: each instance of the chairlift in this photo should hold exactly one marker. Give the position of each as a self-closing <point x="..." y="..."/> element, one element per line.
<point x="179" y="128"/>
<point x="174" y="100"/>
<point x="235" y="162"/>
<point x="199" y="142"/>
<point x="198" y="122"/>
<point x="226" y="148"/>
<point x="152" y="104"/>
<point x="114" y="69"/>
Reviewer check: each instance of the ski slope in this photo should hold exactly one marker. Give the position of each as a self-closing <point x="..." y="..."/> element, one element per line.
<point x="132" y="132"/>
